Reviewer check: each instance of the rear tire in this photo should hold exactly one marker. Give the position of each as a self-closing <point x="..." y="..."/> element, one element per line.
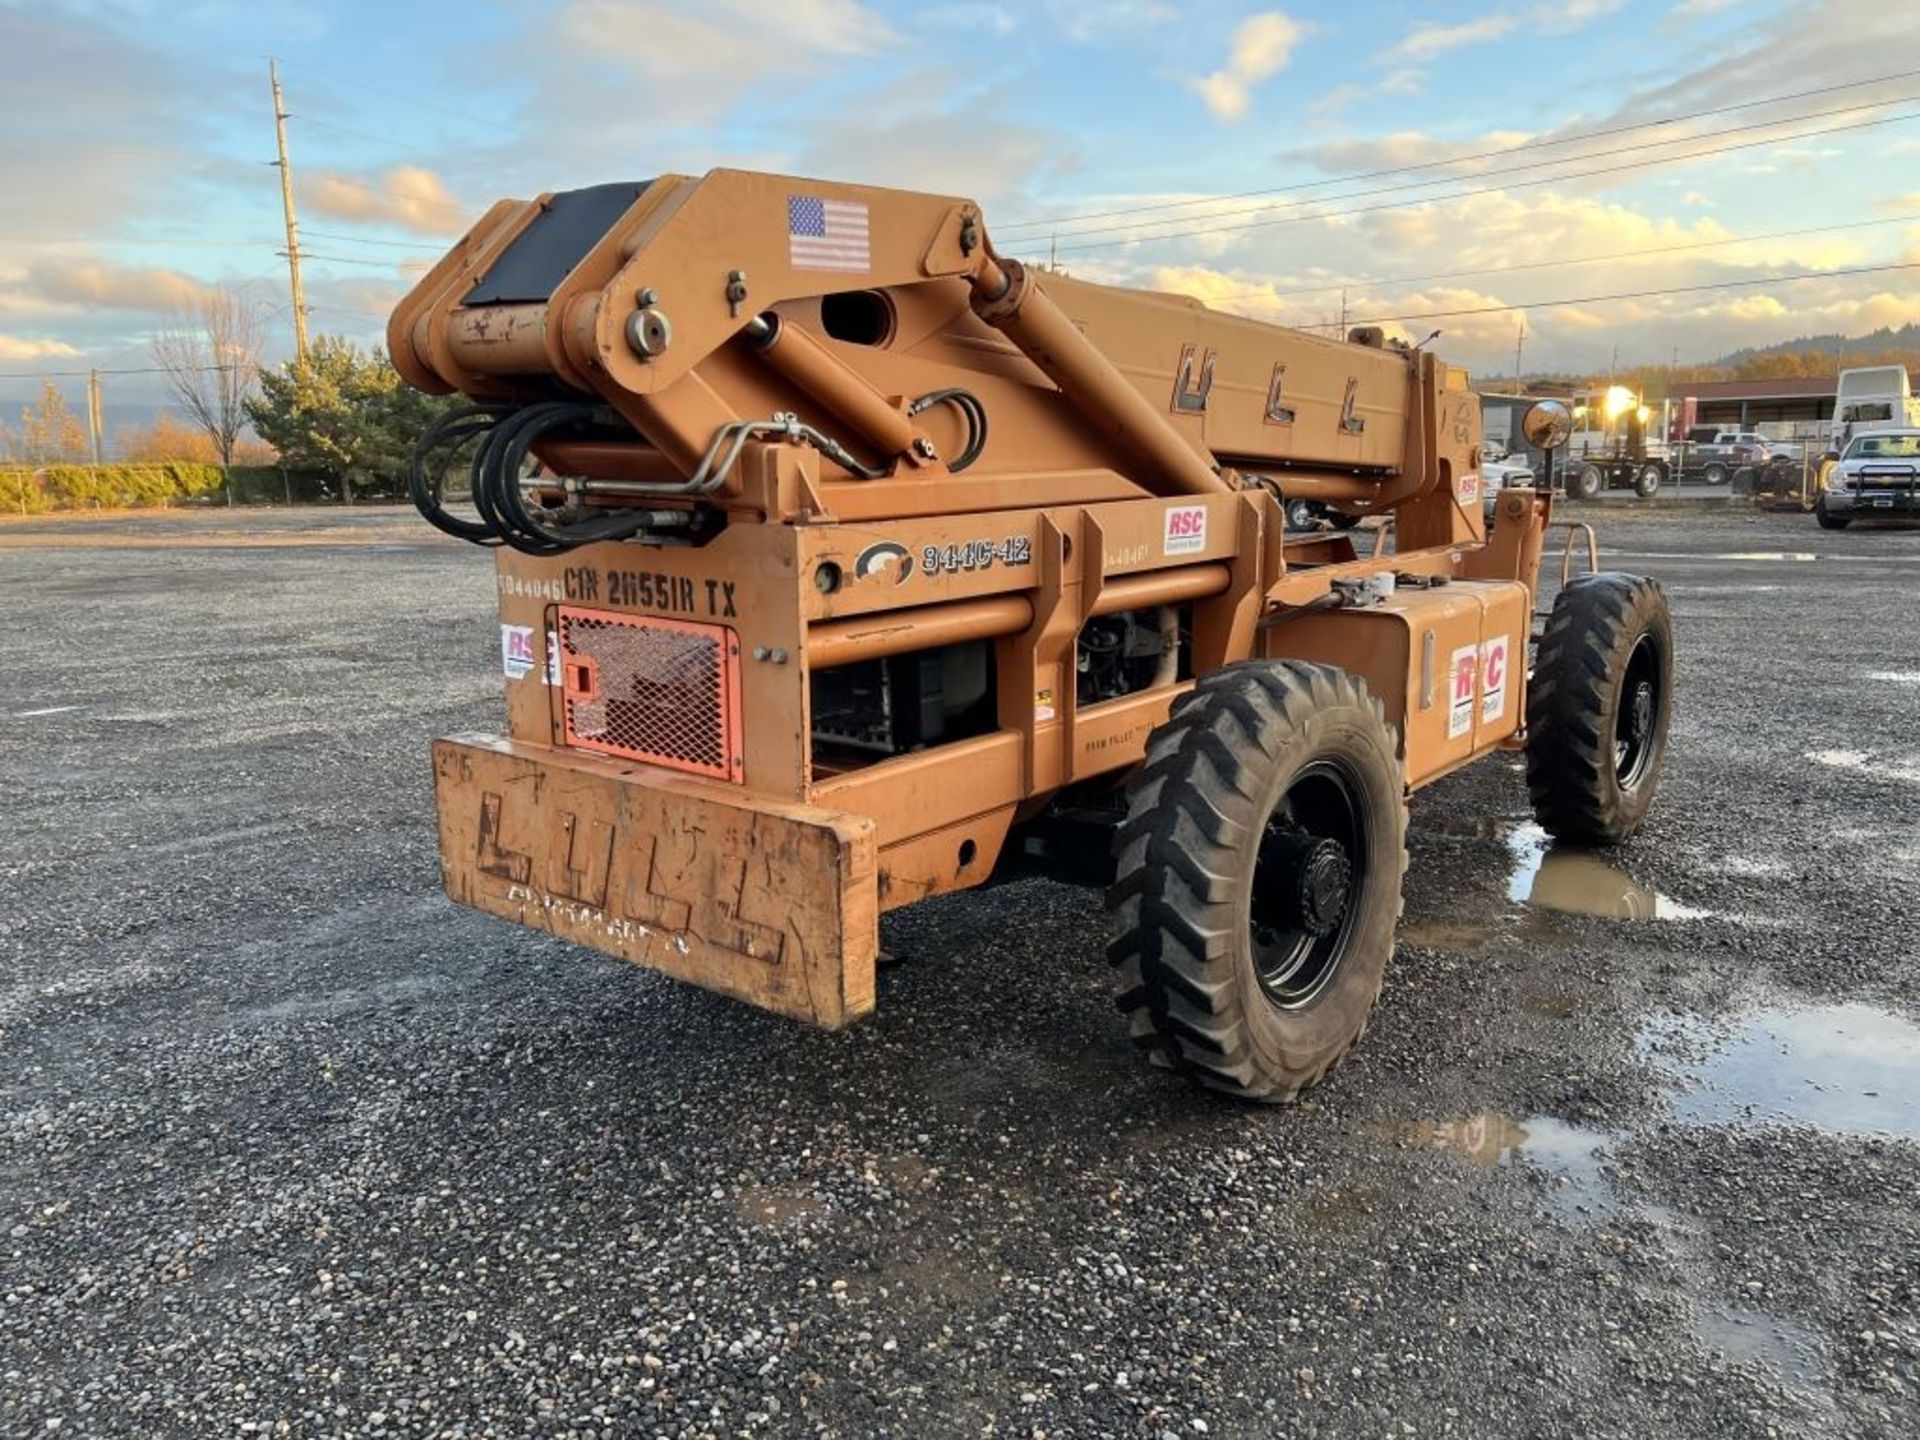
<point x="1302" y="515"/>
<point x="1828" y="520"/>
<point x="1257" y="878"/>
<point x="1598" y="707"/>
<point x="1646" y="483"/>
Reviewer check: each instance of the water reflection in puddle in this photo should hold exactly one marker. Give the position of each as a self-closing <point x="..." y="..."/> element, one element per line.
<point x="1556" y="877"/>
<point x="1569" y="1156"/>
<point x="1850" y="1069"/>
<point x="1785" y="1348"/>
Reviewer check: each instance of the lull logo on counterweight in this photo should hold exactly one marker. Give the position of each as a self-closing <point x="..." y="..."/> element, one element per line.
<point x="885" y="555"/>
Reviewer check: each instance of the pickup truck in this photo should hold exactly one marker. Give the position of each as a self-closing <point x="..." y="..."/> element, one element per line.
<point x="1878" y="476"/>
<point x="1718" y="459"/>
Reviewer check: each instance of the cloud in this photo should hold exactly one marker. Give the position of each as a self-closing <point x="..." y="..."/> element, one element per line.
<point x="1428" y="39"/>
<point x="407" y="196"/>
<point x="108" y="285"/>
<point x="994" y="19"/>
<point x="1401" y="149"/>
<point x="1090" y="20"/>
<point x="16" y="347"/>
<point x="1262" y="48"/>
<point x="664" y="62"/>
<point x="1695" y="9"/>
<point x="96" y="124"/>
<point x="902" y="134"/>
<point x="1531" y="253"/>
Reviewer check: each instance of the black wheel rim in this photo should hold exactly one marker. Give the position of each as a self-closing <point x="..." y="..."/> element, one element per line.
<point x="1636" y="721"/>
<point x="1309" y="884"/>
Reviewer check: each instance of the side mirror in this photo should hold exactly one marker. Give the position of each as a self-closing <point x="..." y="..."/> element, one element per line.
<point x="1547" y="424"/>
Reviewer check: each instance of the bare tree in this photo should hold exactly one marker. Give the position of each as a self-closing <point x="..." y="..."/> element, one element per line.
<point x="210" y="352"/>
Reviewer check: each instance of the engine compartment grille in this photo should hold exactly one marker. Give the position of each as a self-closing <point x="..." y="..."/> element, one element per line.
<point x="663" y="691"/>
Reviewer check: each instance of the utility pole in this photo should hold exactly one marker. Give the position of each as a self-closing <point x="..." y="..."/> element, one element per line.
<point x="1341" y="333"/>
<point x="1519" y="343"/>
<point x="94" y="418"/>
<point x="286" y="204"/>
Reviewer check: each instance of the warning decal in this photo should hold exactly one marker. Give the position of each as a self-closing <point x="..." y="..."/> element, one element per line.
<point x="1493" y="679"/>
<point x="1464" y="670"/>
<point x="1467" y="488"/>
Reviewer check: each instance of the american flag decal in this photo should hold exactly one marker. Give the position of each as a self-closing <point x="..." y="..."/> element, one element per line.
<point x="827" y="234"/>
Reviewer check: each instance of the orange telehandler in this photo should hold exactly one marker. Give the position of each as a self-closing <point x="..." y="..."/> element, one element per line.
<point x="843" y="562"/>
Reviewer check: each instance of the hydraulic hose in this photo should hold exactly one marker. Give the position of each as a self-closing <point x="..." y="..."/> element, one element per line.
<point x="972" y="413"/>
<point x="424" y="477"/>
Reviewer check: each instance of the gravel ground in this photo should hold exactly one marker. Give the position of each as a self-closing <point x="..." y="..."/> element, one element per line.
<point x="293" y="1146"/>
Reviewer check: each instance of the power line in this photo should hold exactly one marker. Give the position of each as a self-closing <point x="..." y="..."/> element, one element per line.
<point x="1646" y="294"/>
<point x="105" y="370"/>
<point x="412" y="245"/>
<point x="1138" y="232"/>
<point x="1487" y="189"/>
<point x="1558" y="264"/>
<point x="1456" y="159"/>
<point x="399" y="263"/>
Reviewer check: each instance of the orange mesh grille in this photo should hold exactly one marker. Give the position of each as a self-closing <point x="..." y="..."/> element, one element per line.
<point x="663" y="691"/>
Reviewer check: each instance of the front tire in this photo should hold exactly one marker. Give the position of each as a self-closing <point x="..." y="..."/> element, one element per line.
<point x="1828" y="520"/>
<point x="1646" y="484"/>
<point x="1302" y="515"/>
<point x="1257" y="878"/>
<point x="1587" y="483"/>
<point x="1598" y="708"/>
<point x="1715" y="474"/>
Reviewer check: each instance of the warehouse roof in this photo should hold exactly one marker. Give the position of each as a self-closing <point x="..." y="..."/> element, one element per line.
<point x="1786" y="387"/>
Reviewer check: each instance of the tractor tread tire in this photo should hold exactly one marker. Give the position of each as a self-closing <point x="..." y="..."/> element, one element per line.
<point x="1196" y="809"/>
<point x="1571" y="698"/>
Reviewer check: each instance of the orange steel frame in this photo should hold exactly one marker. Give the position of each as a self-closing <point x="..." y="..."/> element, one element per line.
<point x="1139" y="445"/>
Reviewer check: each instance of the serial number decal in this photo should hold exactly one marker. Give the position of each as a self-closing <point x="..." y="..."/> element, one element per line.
<point x="977" y="555"/>
<point x="521" y="586"/>
<point x="648" y="590"/>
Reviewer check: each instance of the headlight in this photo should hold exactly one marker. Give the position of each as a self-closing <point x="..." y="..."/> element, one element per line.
<point x="1840" y="481"/>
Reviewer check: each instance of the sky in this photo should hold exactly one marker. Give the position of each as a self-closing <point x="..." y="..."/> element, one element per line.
<point x="1475" y="168"/>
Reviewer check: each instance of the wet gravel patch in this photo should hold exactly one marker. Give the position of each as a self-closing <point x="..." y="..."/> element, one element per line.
<point x="290" y="1145"/>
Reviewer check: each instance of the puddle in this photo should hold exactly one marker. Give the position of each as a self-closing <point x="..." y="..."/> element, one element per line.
<point x="1785" y="1348"/>
<point x="1440" y="935"/>
<point x="1862" y="761"/>
<point x="1569" y="1156"/>
<point x="1578" y="882"/>
<point x="1848" y="1069"/>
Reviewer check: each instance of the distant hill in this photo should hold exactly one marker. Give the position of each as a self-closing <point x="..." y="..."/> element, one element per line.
<point x="1883" y="346"/>
<point x="1817" y="356"/>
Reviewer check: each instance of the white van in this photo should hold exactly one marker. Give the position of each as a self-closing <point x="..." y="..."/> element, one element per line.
<point x="1872" y="397"/>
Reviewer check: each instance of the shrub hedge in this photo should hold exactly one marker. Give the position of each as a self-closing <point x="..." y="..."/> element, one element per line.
<point x="30" y="490"/>
<point x="85" y="487"/>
